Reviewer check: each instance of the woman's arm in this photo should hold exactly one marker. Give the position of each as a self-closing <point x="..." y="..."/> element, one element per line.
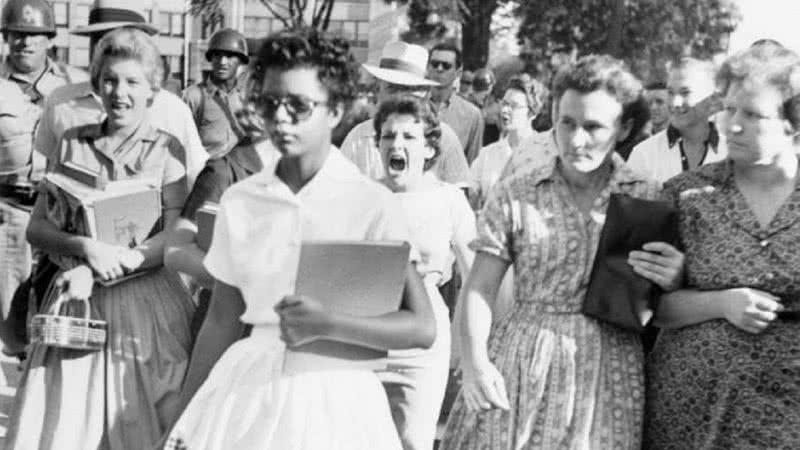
<point x="106" y="260"/>
<point x="152" y="250"/>
<point x="182" y="253"/>
<point x="43" y="234"/>
<point x="482" y="384"/>
<point x="304" y="319"/>
<point x="748" y="309"/>
<point x="221" y="328"/>
<point x="477" y="295"/>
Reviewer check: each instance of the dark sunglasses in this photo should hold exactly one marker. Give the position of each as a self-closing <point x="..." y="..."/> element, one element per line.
<point x="443" y="64"/>
<point x="298" y="106"/>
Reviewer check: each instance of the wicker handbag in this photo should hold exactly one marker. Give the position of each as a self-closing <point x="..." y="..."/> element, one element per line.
<point x="77" y="333"/>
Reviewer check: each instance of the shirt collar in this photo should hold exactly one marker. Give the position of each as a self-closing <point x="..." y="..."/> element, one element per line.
<point x="335" y="168"/>
<point x="128" y="153"/>
<point x="673" y="136"/>
<point x="621" y="173"/>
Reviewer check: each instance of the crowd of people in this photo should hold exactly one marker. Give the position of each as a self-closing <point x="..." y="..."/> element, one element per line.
<point x="501" y="192"/>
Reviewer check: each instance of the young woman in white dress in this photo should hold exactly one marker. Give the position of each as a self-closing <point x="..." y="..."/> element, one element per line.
<point x="441" y="221"/>
<point x="312" y="192"/>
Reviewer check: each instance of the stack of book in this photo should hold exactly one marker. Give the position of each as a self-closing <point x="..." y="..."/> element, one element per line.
<point x="123" y="213"/>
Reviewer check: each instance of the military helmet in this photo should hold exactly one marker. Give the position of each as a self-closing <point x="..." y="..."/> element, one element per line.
<point x="28" y="16"/>
<point x="229" y="41"/>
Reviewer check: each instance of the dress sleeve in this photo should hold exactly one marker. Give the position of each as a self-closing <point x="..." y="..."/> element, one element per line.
<point x="218" y="260"/>
<point x="495" y="224"/>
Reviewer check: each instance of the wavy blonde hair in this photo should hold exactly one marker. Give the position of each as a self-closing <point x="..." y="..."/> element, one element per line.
<point x="128" y="43"/>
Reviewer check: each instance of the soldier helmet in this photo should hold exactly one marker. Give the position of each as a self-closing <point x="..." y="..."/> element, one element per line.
<point x="229" y="41"/>
<point x="28" y="16"/>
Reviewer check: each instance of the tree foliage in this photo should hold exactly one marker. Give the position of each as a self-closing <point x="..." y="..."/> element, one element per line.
<point x="292" y="13"/>
<point x="645" y="33"/>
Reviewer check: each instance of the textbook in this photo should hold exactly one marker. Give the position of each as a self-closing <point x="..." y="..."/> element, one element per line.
<point x="124" y="212"/>
<point x="205" y="217"/>
<point x="359" y="278"/>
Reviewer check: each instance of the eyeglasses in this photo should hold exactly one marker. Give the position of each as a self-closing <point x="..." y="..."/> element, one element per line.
<point x="443" y="64"/>
<point x="298" y="106"/>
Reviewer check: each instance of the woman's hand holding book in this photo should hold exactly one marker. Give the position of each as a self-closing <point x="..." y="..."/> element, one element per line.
<point x="111" y="261"/>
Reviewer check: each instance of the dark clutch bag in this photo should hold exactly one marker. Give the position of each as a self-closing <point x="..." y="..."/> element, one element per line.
<point x="616" y="294"/>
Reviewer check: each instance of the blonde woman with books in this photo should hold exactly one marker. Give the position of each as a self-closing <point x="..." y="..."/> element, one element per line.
<point x="124" y="395"/>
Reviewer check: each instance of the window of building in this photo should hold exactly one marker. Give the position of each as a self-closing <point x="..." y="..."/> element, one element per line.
<point x="81" y="16"/>
<point x="163" y="22"/>
<point x="62" y="54"/>
<point x="357" y="32"/>
<point x="148" y="15"/>
<point x="61" y="13"/>
<point x="80" y="57"/>
<point x="176" y="20"/>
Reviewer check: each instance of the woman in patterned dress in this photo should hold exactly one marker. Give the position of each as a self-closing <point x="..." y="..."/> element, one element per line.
<point x="725" y="371"/>
<point x="553" y="378"/>
<point x="125" y="395"/>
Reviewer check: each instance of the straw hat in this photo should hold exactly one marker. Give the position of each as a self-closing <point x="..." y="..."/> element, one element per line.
<point x="402" y="63"/>
<point x="107" y="15"/>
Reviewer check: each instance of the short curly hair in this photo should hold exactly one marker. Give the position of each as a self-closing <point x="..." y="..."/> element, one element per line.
<point x="419" y="109"/>
<point x="534" y="90"/>
<point x="600" y="72"/>
<point x="766" y="65"/>
<point x="336" y="68"/>
<point x="127" y="43"/>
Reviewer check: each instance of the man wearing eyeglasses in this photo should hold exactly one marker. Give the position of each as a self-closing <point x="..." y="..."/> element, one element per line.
<point x="402" y="70"/>
<point x="444" y="67"/>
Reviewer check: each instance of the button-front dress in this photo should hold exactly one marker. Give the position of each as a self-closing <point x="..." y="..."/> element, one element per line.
<point x="573" y="382"/>
<point x="123" y="396"/>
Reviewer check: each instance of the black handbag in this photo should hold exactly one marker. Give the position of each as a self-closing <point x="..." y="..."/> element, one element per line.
<point x="616" y="294"/>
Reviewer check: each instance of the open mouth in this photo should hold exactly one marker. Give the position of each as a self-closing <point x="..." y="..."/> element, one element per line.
<point x="397" y="162"/>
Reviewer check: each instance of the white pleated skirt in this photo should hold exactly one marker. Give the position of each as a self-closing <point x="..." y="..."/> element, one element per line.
<point x="248" y="402"/>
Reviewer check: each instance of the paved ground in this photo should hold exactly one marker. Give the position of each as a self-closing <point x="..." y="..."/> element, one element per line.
<point x="9" y="376"/>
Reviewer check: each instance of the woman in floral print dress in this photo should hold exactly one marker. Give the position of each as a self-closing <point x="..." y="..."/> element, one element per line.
<point x="725" y="372"/>
<point x="553" y="378"/>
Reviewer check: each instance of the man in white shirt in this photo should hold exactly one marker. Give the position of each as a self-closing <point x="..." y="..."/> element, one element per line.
<point x="691" y="139"/>
<point x="402" y="70"/>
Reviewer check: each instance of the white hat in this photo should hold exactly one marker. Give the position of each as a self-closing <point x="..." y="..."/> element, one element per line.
<point x="107" y="15"/>
<point x="402" y="63"/>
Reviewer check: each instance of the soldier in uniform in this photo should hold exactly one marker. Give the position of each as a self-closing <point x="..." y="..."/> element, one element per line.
<point x="27" y="76"/>
<point x="216" y="101"/>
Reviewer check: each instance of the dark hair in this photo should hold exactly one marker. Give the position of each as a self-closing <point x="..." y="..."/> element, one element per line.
<point x="767" y="65"/>
<point x="421" y="110"/>
<point x="307" y="48"/>
<point x="448" y="47"/>
<point x="534" y="91"/>
<point x="655" y="85"/>
<point x="599" y="72"/>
